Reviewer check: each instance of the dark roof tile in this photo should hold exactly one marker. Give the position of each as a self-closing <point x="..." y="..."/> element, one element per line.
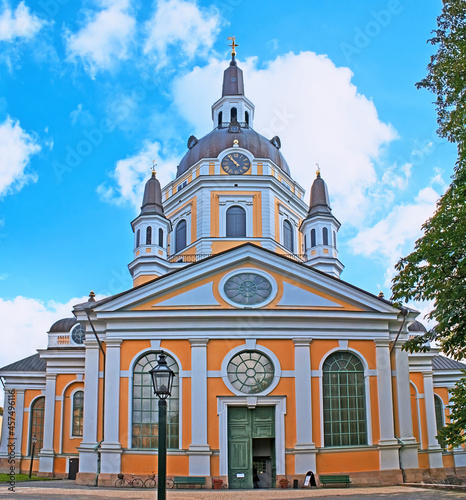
<point x="444" y="363"/>
<point x="33" y="363"/>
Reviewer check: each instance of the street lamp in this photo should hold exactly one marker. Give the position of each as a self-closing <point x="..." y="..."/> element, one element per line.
<point x="34" y="442"/>
<point x="162" y="380"/>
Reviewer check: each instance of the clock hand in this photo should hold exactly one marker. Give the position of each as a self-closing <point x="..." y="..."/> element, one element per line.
<point x="236" y="163"/>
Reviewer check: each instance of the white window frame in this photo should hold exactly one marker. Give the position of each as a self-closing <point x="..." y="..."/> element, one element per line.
<point x="246" y="202"/>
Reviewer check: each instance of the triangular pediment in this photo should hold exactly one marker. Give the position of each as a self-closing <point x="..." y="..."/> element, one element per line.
<point x="207" y="285"/>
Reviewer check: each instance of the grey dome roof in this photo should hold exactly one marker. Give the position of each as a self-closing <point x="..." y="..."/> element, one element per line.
<point x="319" y="202"/>
<point x="63" y="325"/>
<point x="152" y="201"/>
<point x="417" y="326"/>
<point x="218" y="140"/>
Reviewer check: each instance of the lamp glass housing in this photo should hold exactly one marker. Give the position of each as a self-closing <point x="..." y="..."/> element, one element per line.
<point x="162" y="378"/>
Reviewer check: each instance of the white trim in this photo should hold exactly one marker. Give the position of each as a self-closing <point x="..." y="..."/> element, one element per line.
<point x="366" y="386"/>
<point x="130" y="393"/>
<point x="261" y="349"/>
<point x="225" y="202"/>
<point x="251" y="270"/>
<point x="223" y="402"/>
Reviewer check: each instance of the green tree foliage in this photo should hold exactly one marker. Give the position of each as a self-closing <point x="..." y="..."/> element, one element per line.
<point x="436" y="269"/>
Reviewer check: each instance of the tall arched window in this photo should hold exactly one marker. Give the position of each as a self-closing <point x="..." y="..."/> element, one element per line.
<point x="439" y="418"/>
<point x="220" y="117"/>
<point x="236" y="222"/>
<point x="288" y="242"/>
<point x="145" y="405"/>
<point x="344" y="400"/>
<point x="149" y="235"/>
<point x="160" y="237"/>
<point x="138" y="238"/>
<point x="234" y="114"/>
<point x="37" y="424"/>
<point x="246" y="115"/>
<point x="78" y="413"/>
<point x="180" y="236"/>
<point x="313" y="237"/>
<point x="325" y="236"/>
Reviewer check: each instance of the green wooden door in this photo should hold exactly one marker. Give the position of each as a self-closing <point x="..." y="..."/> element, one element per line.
<point x="243" y="426"/>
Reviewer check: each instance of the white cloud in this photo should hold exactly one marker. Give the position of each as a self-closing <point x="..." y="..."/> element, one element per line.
<point x="19" y="23"/>
<point x="105" y="37"/>
<point x="395" y="234"/>
<point x="318" y="114"/>
<point x="130" y="175"/>
<point x="16" y="149"/>
<point x="183" y="26"/>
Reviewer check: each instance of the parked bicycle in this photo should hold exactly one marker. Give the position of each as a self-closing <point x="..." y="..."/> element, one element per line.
<point x="152" y="483"/>
<point x="134" y="482"/>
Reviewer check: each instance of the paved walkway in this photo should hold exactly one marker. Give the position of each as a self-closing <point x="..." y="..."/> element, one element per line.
<point x="64" y="490"/>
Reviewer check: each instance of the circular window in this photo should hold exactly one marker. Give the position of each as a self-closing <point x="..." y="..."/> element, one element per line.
<point x="250" y="372"/>
<point x="78" y="334"/>
<point x="248" y="289"/>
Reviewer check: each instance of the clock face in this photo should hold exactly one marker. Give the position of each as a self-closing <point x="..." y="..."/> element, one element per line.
<point x="236" y="164"/>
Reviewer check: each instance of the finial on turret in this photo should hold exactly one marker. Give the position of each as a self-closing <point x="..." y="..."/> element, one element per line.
<point x="318" y="170"/>
<point x="233" y="45"/>
<point x="153" y="168"/>
<point x="91" y="296"/>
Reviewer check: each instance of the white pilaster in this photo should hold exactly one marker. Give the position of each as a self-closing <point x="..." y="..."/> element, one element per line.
<point x="111" y="447"/>
<point x="305" y="452"/>
<point x="87" y="449"/>
<point x="19" y="417"/>
<point x="199" y="450"/>
<point x="388" y="445"/>
<point x="433" y="448"/>
<point x="408" y="451"/>
<point x="5" y="430"/>
<point x="46" y="455"/>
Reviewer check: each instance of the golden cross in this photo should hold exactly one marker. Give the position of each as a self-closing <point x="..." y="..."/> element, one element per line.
<point x="233" y="45"/>
<point x="318" y="169"/>
<point x="153" y="167"/>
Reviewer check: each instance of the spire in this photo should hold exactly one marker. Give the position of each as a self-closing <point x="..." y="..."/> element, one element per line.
<point x="319" y="201"/>
<point x="152" y="201"/>
<point x="233" y="76"/>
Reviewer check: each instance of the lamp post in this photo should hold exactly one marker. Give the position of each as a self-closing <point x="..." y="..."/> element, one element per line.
<point x="162" y="380"/>
<point x="34" y="442"/>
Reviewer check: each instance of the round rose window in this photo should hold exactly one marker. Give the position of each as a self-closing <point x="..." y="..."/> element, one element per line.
<point x="250" y="372"/>
<point x="248" y="289"/>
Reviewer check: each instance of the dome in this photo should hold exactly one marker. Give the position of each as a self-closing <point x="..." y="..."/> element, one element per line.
<point x="319" y="202"/>
<point x="218" y="140"/>
<point x="152" y="201"/>
<point x="417" y="326"/>
<point x="63" y="325"/>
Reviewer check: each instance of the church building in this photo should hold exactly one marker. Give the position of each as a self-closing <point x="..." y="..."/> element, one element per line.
<point x="281" y="367"/>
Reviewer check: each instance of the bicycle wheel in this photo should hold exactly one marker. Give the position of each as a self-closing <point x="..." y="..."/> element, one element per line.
<point x="170" y="483"/>
<point x="119" y="483"/>
<point x="137" y="483"/>
<point x="149" y="483"/>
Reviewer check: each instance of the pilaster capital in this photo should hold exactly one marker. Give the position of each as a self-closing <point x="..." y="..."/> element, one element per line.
<point x="113" y="342"/>
<point x="198" y="342"/>
<point x="302" y="341"/>
<point x="51" y="376"/>
<point x="427" y="374"/>
<point x="380" y="343"/>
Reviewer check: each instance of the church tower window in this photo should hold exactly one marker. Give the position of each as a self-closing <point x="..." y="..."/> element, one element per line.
<point x="37" y="423"/>
<point x="334" y="239"/>
<point x="344" y="400"/>
<point x="138" y="238"/>
<point x="160" y="237"/>
<point x="149" y="236"/>
<point x="220" y="119"/>
<point x="236" y="222"/>
<point x="325" y="236"/>
<point x="78" y="413"/>
<point x="180" y="236"/>
<point x="234" y="114"/>
<point x="246" y="115"/>
<point x="288" y="236"/>
<point x="145" y="414"/>
<point x="313" y="237"/>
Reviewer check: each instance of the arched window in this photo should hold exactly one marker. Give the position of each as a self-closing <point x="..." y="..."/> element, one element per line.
<point x="334" y="239"/>
<point x="180" y="236"/>
<point x="220" y="117"/>
<point x="325" y="236"/>
<point x="160" y="237"/>
<point x="138" y="238"/>
<point x="439" y="418"/>
<point x="313" y="237"/>
<point x="236" y="222"/>
<point x="234" y="115"/>
<point x="145" y="405"/>
<point x="344" y="400"/>
<point x="288" y="236"/>
<point x="149" y="235"/>
<point x="78" y="413"/>
<point x="305" y="242"/>
<point x="246" y="115"/>
<point x="37" y="424"/>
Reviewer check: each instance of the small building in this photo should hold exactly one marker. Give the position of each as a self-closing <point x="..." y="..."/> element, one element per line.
<point x="281" y="366"/>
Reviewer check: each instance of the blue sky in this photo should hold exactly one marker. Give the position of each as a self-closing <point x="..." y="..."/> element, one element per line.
<point x="92" y="91"/>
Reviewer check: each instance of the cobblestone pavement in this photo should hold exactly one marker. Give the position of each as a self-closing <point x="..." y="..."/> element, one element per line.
<point x="58" y="490"/>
